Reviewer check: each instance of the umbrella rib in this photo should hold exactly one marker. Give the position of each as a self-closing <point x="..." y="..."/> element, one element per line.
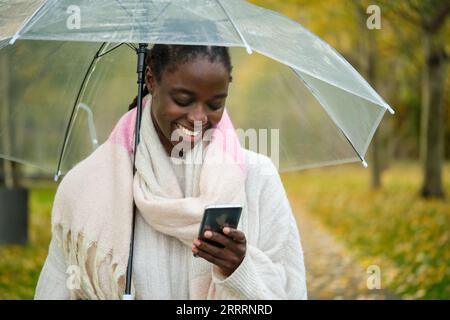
<point x="113" y="48"/>
<point x="132" y="16"/>
<point x="25" y="162"/>
<point x="131" y="46"/>
<point x="17" y="34"/>
<point x="363" y="161"/>
<point x="298" y="70"/>
<point x="162" y="11"/>
<point x="313" y="92"/>
<point x="247" y="46"/>
<point x="74" y="108"/>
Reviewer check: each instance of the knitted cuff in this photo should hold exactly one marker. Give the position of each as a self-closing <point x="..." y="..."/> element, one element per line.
<point x="243" y="280"/>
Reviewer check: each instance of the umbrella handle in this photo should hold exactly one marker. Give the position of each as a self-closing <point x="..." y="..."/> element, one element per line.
<point x="91" y="125"/>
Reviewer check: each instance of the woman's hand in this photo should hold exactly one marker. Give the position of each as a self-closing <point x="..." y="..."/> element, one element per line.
<point x="227" y="258"/>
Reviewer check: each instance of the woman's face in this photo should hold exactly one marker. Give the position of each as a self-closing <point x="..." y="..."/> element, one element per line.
<point x="190" y="98"/>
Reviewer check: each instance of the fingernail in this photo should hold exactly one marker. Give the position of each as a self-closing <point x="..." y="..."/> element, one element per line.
<point x="196" y="242"/>
<point x="226" y="230"/>
<point x="208" y="234"/>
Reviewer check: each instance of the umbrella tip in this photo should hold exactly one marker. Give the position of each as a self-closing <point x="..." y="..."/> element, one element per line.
<point x="56" y="176"/>
<point x="13" y="40"/>
<point x="249" y="49"/>
<point x="364" y="163"/>
<point x="388" y="107"/>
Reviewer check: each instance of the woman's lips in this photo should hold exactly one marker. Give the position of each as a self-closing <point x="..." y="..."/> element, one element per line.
<point x="188" y="131"/>
<point x="187" y="134"/>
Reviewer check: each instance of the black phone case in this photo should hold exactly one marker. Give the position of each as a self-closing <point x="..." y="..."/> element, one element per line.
<point x="215" y="219"/>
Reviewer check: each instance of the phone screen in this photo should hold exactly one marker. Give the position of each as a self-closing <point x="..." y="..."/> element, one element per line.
<point x="217" y="217"/>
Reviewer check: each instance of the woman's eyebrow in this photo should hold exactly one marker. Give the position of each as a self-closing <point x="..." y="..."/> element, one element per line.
<point x="182" y="90"/>
<point x="222" y="95"/>
<point x="190" y="93"/>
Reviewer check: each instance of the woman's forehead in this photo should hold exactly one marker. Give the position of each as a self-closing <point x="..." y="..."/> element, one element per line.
<point x="199" y="75"/>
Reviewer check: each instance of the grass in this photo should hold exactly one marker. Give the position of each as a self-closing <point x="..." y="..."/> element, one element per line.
<point x="20" y="265"/>
<point x="405" y="235"/>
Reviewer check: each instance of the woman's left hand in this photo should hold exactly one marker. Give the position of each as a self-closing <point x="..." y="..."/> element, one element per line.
<point x="227" y="258"/>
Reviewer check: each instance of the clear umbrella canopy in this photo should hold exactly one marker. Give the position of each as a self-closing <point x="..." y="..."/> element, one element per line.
<point x="316" y="109"/>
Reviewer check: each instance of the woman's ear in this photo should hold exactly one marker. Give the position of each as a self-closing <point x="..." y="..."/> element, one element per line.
<point x="149" y="80"/>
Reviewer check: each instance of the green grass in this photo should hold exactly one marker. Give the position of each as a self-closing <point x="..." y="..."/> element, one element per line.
<point x="406" y="236"/>
<point x="20" y="265"/>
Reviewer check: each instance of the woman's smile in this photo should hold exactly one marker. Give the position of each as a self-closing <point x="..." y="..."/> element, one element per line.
<point x="188" y="134"/>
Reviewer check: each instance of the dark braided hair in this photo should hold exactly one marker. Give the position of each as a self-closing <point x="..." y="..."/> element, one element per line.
<point x="162" y="57"/>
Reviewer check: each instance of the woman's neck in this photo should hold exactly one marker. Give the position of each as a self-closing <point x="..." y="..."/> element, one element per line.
<point x="167" y="145"/>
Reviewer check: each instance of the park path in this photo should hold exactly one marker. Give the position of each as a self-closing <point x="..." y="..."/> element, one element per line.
<point x="331" y="270"/>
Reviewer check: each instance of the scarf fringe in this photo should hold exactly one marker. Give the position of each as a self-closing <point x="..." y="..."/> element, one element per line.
<point x="77" y="251"/>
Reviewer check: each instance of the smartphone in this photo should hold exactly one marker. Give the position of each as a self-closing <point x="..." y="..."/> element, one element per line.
<point x="216" y="217"/>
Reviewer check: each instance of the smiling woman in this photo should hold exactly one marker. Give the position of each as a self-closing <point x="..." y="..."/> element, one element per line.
<point x="262" y="258"/>
<point x="189" y="96"/>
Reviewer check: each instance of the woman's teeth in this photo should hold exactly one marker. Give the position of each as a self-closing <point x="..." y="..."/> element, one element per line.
<point x="187" y="131"/>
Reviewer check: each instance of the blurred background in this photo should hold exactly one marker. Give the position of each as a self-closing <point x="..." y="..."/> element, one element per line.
<point x="376" y="233"/>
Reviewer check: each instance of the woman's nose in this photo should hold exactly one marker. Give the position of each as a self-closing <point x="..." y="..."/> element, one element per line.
<point x="197" y="114"/>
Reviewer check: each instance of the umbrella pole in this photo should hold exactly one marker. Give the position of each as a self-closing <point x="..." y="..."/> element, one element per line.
<point x="141" y="51"/>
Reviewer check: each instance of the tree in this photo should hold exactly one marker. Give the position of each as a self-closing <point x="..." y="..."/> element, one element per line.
<point x="410" y="72"/>
<point x="430" y="16"/>
<point x="10" y="168"/>
<point x="367" y="43"/>
<point x="433" y="15"/>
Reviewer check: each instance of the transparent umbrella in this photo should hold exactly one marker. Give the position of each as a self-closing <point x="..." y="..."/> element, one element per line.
<point x="68" y="72"/>
<point x="62" y="95"/>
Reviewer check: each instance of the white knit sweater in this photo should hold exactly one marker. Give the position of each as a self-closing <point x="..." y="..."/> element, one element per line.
<point x="272" y="270"/>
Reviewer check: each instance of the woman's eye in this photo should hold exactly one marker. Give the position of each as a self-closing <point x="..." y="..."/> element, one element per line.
<point x="182" y="103"/>
<point x="215" y="106"/>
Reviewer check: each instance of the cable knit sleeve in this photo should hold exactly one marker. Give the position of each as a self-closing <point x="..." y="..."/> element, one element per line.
<point x="274" y="269"/>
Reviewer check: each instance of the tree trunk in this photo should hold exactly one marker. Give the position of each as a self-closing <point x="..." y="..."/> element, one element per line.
<point x="376" y="163"/>
<point x="368" y="49"/>
<point x="432" y="133"/>
<point x="8" y="169"/>
<point x="371" y="77"/>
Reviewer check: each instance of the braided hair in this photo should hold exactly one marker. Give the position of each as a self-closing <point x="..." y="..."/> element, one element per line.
<point x="162" y="57"/>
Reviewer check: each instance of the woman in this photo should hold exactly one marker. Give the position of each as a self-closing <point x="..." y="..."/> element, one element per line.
<point x="174" y="181"/>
